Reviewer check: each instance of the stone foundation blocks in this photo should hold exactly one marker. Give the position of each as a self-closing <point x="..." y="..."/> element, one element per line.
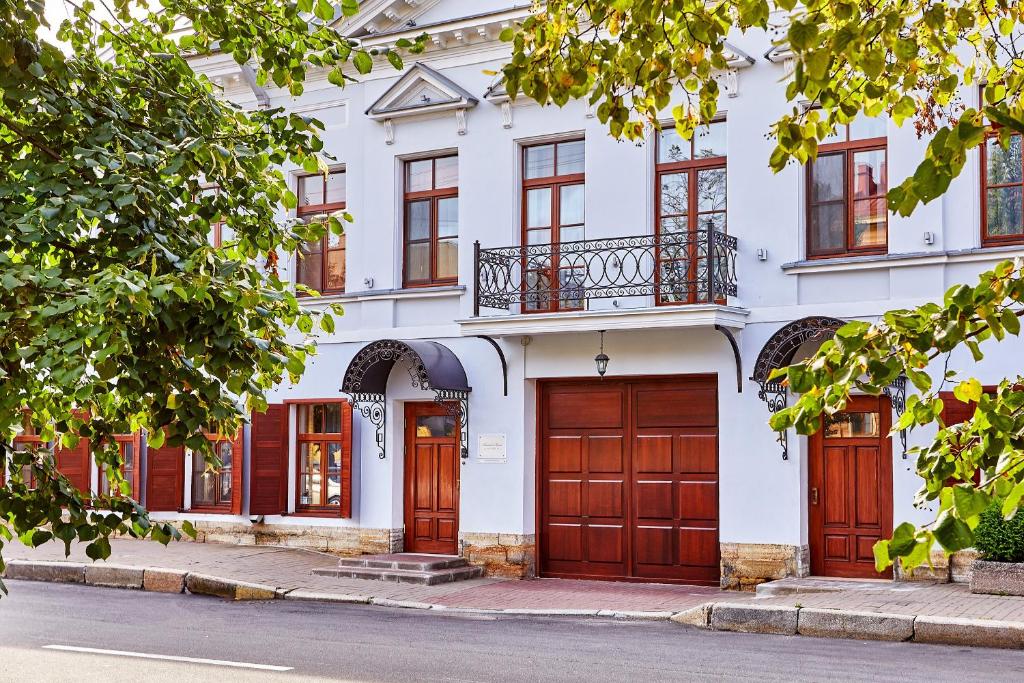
<point x="997" y="578"/>
<point x="114" y="576"/>
<point x="164" y="580"/>
<point x="825" y="623"/>
<point x="745" y="565"/>
<point x="744" y="618"/>
<point x="968" y="632"/>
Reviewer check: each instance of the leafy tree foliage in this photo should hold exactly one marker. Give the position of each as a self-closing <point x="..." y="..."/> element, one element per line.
<point x="912" y="59"/>
<point x="116" y="311"/>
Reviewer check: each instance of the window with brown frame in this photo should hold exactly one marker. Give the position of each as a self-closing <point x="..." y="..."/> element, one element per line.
<point x="27" y="440"/>
<point x="691" y="197"/>
<point x="218" y="229"/>
<point x="324" y="457"/>
<point x="846" y="186"/>
<point x="320" y="264"/>
<point x="214" y="489"/>
<point x="431" y="211"/>
<point x="553" y="214"/>
<point x="1002" y="191"/>
<point x="128" y="445"/>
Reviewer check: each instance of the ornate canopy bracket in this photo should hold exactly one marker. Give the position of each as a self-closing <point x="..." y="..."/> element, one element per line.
<point x="456" y="404"/>
<point x="374" y="408"/>
<point x="432" y="367"/>
<point x="897" y="393"/>
<point x="778" y="353"/>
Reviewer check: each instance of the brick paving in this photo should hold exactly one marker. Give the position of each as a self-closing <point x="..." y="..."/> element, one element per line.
<point x="291" y="569"/>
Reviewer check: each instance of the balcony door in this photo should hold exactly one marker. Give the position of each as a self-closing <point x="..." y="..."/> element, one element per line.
<point x="553" y="218"/>
<point x="691" y="203"/>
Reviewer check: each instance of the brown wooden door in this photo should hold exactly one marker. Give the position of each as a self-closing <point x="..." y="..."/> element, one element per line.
<point x="628" y="481"/>
<point x="73" y="463"/>
<point x="850" y="489"/>
<point x="431" y="480"/>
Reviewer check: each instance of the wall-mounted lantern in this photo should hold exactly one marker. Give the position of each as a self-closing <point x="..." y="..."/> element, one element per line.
<point x="601" y="359"/>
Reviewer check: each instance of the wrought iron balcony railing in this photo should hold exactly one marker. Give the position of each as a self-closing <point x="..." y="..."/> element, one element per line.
<point x="673" y="268"/>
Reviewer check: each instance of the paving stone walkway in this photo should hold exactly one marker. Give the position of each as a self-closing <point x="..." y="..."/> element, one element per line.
<point x="290" y="569"/>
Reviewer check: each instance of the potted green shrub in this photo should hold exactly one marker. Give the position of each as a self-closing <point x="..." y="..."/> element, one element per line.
<point x="1000" y="571"/>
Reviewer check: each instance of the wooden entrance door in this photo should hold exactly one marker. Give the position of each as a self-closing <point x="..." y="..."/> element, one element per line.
<point x="850" y="489"/>
<point x="431" y="480"/>
<point x="628" y="480"/>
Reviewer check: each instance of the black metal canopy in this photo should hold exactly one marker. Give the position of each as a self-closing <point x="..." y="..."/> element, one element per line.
<point x="779" y="350"/>
<point x="432" y="366"/>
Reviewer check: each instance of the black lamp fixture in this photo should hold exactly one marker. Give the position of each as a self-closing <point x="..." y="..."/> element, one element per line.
<point x="602" y="358"/>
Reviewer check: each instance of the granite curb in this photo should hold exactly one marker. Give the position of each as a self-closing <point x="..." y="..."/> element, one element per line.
<point x="747" y="617"/>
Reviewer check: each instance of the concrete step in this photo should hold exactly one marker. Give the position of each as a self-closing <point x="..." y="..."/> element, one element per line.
<point x="406" y="561"/>
<point x="423" y="577"/>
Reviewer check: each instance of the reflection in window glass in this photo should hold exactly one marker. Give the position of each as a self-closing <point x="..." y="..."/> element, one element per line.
<point x="435" y="426"/>
<point x="540" y="161"/>
<point x="852" y="425"/>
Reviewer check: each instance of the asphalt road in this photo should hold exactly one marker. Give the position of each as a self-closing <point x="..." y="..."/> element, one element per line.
<point x="313" y="641"/>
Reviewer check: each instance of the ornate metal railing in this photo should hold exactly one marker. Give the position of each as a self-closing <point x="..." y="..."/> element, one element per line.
<point x="673" y="268"/>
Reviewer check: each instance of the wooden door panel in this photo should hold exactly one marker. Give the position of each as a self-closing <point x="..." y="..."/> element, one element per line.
<point x="868" y="508"/>
<point x="586" y="410"/>
<point x="676" y="407"/>
<point x="698" y="500"/>
<point x="565" y="542"/>
<point x="447" y="464"/>
<point x="423" y="482"/>
<point x="565" y="454"/>
<point x="836" y="488"/>
<point x="565" y="497"/>
<point x="431" y="483"/>
<point x="446" y="530"/>
<point x="698" y="546"/>
<point x="653" y="454"/>
<point x="653" y="545"/>
<point x="698" y="454"/>
<point x="837" y="547"/>
<point x="423" y="528"/>
<point x="654" y="500"/>
<point x="605" y="454"/>
<point x="866" y="548"/>
<point x="605" y="499"/>
<point x="605" y="543"/>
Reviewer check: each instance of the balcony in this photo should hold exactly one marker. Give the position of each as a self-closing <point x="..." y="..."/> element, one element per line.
<point x="626" y="282"/>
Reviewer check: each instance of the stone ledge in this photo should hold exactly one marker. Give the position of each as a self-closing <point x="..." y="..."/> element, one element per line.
<point x="826" y="623"/>
<point x="969" y="632"/>
<point x="744" y="618"/>
<point x="997" y="578"/>
<point x="158" y="580"/>
<point x="54" y="572"/>
<point x="114" y="576"/>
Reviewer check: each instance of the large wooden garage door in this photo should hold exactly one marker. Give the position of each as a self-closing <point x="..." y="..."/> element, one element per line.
<point x="629" y="480"/>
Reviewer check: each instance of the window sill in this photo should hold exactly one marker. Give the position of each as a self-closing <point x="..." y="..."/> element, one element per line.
<point x="210" y="510"/>
<point x="432" y="292"/>
<point x="883" y="261"/>
<point x="314" y="512"/>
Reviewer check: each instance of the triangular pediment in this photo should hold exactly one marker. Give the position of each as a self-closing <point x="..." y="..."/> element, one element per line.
<point x="420" y="90"/>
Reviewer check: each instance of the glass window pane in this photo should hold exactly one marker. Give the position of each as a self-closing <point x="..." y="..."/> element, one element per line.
<point x="573" y="234"/>
<point x="334" y="474"/>
<point x="310" y="265"/>
<point x="571" y="157"/>
<point x="869" y="222"/>
<point x="710" y="141"/>
<point x="538" y="207"/>
<point x="671" y="147"/>
<point x="828" y="177"/>
<point x="540" y="161"/>
<point x="448" y="258"/>
<point x="309" y="468"/>
<point x="446" y="170"/>
<point x="711" y="185"/>
<point x="336" y="269"/>
<point x="419" y="175"/>
<point x="570" y="204"/>
<point x="225" y="451"/>
<point x="128" y="454"/>
<point x="538" y="237"/>
<point x="863" y="128"/>
<point x="674" y="194"/>
<point x="828" y="228"/>
<point x="311" y="190"/>
<point x="332" y="418"/>
<point x="448" y="217"/>
<point x="435" y="426"/>
<point x="336" y="187"/>
<point x="419" y="220"/>
<point x="317" y="425"/>
<point x="711" y="221"/>
<point x="1003" y="211"/>
<point x="847" y="425"/>
<point x="1004" y="165"/>
<point x="869" y="173"/>
<point x="417" y="261"/>
<point x="674" y="224"/>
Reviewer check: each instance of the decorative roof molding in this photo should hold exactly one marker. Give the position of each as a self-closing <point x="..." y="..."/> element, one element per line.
<point x="421" y="91"/>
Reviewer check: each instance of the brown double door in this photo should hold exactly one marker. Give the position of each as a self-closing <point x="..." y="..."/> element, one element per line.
<point x="628" y="480"/>
<point x="850" y="489"/>
<point x="431" y="480"/>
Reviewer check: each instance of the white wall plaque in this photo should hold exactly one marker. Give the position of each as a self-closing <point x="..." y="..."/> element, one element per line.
<point x="491" y="448"/>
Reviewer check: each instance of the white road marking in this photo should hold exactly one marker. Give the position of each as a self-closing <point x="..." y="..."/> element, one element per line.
<point x="171" y="658"/>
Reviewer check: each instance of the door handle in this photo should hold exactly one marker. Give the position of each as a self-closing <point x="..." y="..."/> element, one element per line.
<point x="814" y="495"/>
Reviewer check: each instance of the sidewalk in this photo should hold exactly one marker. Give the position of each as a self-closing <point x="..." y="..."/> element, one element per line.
<point x="881" y="610"/>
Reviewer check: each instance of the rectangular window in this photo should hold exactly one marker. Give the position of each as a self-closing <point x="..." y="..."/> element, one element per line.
<point x="1002" y="188"/>
<point x="431" y="218"/>
<point x="323" y="454"/>
<point x="553" y="214"/>
<point x="321" y="263"/>
<point x="128" y="445"/>
<point x="846" y="186"/>
<point x="219" y="231"/>
<point x="690" y="201"/>
<point x="28" y="439"/>
<point x="214" y="488"/>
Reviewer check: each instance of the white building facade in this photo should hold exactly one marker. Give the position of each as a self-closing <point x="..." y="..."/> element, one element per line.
<point x="499" y="247"/>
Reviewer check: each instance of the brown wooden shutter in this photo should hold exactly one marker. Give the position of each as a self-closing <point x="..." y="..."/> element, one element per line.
<point x="346" y="459"/>
<point x="165" y="478"/>
<point x="73" y="463"/>
<point x="268" y="457"/>
<point x="237" y="461"/>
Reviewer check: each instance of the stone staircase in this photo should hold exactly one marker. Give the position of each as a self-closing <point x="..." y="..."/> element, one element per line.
<point x="427" y="570"/>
